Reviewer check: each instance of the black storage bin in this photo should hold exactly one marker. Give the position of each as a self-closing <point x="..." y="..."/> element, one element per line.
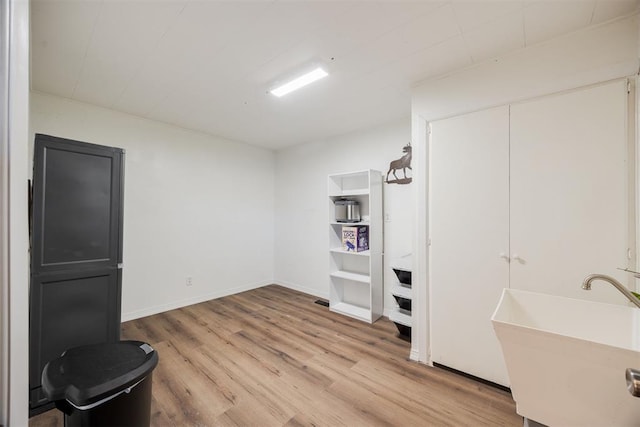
<point x="403" y="303"/>
<point x="103" y="385"/>
<point x="404" y="276"/>
<point x="404" y="331"/>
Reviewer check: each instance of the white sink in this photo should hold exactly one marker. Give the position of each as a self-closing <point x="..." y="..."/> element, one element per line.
<point x="566" y="358"/>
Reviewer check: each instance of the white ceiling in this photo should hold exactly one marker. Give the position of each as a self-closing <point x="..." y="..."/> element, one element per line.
<point x="207" y="65"/>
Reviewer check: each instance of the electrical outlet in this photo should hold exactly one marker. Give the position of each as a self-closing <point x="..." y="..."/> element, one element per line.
<point x="189" y="281"/>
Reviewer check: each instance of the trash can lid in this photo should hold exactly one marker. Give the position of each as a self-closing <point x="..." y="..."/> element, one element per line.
<point x="88" y="374"/>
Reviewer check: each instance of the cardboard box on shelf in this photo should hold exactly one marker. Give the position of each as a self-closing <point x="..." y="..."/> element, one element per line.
<point x="355" y="238"/>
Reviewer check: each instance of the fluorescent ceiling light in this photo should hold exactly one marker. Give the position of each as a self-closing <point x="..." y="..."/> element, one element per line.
<point x="299" y="82"/>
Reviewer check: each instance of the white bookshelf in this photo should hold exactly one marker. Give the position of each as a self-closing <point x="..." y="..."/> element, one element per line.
<point x="355" y="278"/>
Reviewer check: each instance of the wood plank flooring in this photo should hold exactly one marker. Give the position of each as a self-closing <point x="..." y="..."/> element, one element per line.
<point x="271" y="357"/>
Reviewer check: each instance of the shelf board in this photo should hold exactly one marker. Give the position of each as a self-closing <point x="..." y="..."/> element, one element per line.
<point x="401" y="316"/>
<point x="351" y="224"/>
<point x="401" y="291"/>
<point x="347" y="193"/>
<point x="355" y="311"/>
<point x="354" y="277"/>
<point x="362" y="173"/>
<point x="342" y="251"/>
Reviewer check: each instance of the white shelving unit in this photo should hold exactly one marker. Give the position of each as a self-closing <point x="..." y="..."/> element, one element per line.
<point x="355" y="278"/>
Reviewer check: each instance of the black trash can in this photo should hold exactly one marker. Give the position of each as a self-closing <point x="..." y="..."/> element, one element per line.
<point x="103" y="384"/>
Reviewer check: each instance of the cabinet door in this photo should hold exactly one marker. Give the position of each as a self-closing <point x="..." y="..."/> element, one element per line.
<point x="469" y="229"/>
<point x="75" y="281"/>
<point x="69" y="309"/>
<point x="569" y="191"/>
<point x="77" y="205"/>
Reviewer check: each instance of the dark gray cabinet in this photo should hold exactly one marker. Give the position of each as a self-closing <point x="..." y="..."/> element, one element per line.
<point x="76" y="254"/>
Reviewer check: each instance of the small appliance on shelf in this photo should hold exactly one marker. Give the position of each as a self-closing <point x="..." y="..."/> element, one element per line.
<point x="347" y="210"/>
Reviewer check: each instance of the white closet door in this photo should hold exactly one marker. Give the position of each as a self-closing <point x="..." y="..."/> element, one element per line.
<point x="569" y="190"/>
<point x="469" y="230"/>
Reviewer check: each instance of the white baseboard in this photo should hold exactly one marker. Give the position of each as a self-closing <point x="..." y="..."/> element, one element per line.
<point x="190" y="301"/>
<point x="414" y="355"/>
<point x="301" y="288"/>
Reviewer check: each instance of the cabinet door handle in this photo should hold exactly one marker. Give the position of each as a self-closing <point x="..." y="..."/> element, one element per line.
<point x="504" y="256"/>
<point x="517" y="257"/>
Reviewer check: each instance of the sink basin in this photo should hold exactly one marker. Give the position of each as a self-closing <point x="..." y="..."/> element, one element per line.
<point x="566" y="358"/>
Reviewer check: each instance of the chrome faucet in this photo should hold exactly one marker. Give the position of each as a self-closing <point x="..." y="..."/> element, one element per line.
<point x="586" y="285"/>
<point x="633" y="382"/>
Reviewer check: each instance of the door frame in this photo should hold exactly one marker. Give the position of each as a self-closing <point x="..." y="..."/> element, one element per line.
<point x="14" y="235"/>
<point x="4" y="210"/>
<point x="420" y="332"/>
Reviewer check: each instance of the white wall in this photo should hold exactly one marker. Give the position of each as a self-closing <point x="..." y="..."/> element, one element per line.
<point x="302" y="205"/>
<point x="195" y="205"/>
<point x="585" y="57"/>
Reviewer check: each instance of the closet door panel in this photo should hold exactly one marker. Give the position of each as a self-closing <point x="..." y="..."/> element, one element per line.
<point x="469" y="229"/>
<point x="569" y="191"/>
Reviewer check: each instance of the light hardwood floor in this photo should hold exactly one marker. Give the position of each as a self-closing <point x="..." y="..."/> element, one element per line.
<point x="271" y="357"/>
